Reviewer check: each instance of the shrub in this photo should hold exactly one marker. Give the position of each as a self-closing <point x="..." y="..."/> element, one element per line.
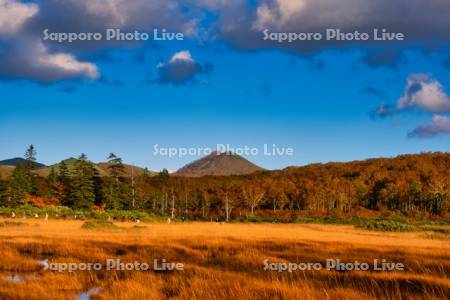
<point x="68" y="213"/>
<point x="386" y="225"/>
<point x="99" y="224"/>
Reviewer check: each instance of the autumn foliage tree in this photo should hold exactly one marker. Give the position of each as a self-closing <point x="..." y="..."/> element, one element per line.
<point x="411" y="185"/>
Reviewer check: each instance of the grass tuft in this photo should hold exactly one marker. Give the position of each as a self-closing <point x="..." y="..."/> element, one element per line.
<point x="386" y="225"/>
<point x="99" y="225"/>
<point x="12" y="224"/>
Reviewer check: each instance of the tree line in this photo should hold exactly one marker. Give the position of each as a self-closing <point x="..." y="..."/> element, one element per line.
<point x="409" y="184"/>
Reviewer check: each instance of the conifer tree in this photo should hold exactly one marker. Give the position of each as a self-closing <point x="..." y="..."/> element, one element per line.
<point x="82" y="183"/>
<point x="30" y="156"/>
<point x="3" y="193"/>
<point x="52" y="183"/>
<point x="64" y="184"/>
<point x="118" y="192"/>
<point x="63" y="173"/>
<point x="19" y="186"/>
<point x="115" y="166"/>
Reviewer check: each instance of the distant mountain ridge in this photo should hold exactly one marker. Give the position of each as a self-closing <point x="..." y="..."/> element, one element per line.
<point x="7" y="167"/>
<point x="218" y="164"/>
<point x="102" y="168"/>
<point x="19" y="161"/>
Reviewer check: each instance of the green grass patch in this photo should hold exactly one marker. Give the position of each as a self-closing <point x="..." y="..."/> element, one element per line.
<point x="330" y="220"/>
<point x="99" y="225"/>
<point x="386" y="226"/>
<point x="63" y="212"/>
<point x="258" y="219"/>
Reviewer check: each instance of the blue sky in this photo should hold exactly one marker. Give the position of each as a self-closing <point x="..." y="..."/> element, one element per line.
<point x="325" y="104"/>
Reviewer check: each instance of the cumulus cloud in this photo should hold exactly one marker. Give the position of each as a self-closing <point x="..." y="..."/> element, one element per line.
<point x="25" y="56"/>
<point x="440" y="125"/>
<point x="181" y="69"/>
<point x="425" y="93"/>
<point x="243" y="26"/>
<point x="99" y="15"/>
<point x="422" y="92"/>
<point x="277" y="13"/>
<point x="237" y="22"/>
<point x="32" y="60"/>
<point x="13" y="15"/>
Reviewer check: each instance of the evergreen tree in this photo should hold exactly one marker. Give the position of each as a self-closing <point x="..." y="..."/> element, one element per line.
<point x="30" y="156"/>
<point x="3" y="193"/>
<point x="19" y="186"/>
<point x="117" y="191"/>
<point x="98" y="188"/>
<point x="82" y="193"/>
<point x="52" y="184"/>
<point x="64" y="184"/>
<point x="115" y="166"/>
<point x="63" y="173"/>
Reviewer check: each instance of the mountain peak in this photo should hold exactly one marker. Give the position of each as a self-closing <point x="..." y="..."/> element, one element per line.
<point x="219" y="164"/>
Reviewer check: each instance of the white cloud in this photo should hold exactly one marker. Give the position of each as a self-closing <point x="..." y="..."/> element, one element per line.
<point x="181" y="69"/>
<point x="95" y="15"/>
<point x="112" y="9"/>
<point x="24" y="56"/>
<point x="440" y="125"/>
<point x="243" y="25"/>
<point x="14" y="14"/>
<point x="182" y="56"/>
<point x="65" y="64"/>
<point x="425" y="93"/>
<point x="277" y="14"/>
<point x="32" y="60"/>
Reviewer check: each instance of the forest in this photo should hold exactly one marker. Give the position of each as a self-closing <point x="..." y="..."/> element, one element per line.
<point x="411" y="185"/>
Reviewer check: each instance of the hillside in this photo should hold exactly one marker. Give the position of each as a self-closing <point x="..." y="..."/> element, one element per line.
<point x="44" y="172"/>
<point x="102" y="168"/>
<point x="7" y="167"/>
<point x="218" y="164"/>
<point x="19" y="161"/>
<point x="129" y="169"/>
<point x="413" y="185"/>
<point x="6" y="171"/>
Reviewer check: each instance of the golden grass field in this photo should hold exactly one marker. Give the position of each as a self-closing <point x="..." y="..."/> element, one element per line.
<point x="221" y="261"/>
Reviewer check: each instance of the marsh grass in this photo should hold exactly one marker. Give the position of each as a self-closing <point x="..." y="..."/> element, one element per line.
<point x="8" y="223"/>
<point x="110" y="226"/>
<point x="222" y="261"/>
<point x="99" y="225"/>
<point x="436" y="229"/>
<point x="437" y="236"/>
